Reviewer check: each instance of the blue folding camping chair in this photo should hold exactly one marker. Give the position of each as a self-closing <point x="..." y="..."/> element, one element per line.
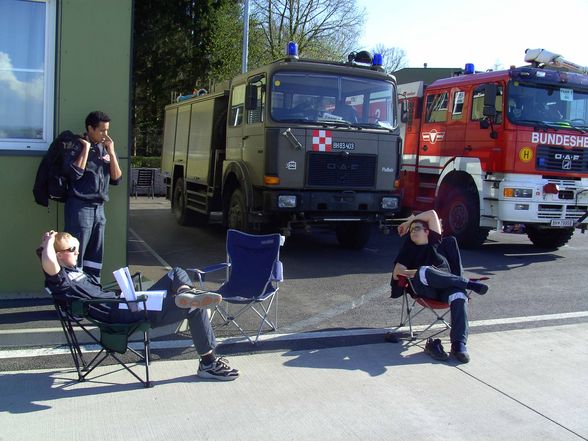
<point x="253" y="271"/>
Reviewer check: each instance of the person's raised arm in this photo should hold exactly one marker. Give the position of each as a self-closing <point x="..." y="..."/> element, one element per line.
<point x="48" y="256"/>
<point x="82" y="158"/>
<point x="430" y="217"/>
<point x="115" y="171"/>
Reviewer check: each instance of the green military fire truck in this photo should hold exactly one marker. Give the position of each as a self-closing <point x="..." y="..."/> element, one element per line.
<point x="294" y="144"/>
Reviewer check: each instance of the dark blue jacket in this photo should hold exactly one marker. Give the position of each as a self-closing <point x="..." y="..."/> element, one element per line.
<point x="91" y="184"/>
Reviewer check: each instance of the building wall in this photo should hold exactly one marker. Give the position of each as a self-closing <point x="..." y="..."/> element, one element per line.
<point x="93" y="71"/>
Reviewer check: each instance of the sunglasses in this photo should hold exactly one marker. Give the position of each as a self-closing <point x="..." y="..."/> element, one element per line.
<point x="68" y="250"/>
<point x="417" y="228"/>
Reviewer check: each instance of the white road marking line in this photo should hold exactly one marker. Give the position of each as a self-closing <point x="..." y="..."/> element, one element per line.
<point x="151" y="250"/>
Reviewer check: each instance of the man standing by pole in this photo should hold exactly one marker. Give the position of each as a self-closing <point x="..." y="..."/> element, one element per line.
<point x="91" y="166"/>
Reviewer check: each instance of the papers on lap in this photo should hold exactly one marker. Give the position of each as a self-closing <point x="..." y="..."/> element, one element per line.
<point x="125" y="282"/>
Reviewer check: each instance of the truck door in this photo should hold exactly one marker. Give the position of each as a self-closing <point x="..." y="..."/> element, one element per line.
<point x="235" y="121"/>
<point x="456" y="125"/>
<point x="479" y="141"/>
<point x="433" y="133"/>
<point x="253" y="129"/>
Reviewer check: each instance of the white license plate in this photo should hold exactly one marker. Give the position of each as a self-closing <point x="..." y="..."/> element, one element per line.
<point x="562" y="223"/>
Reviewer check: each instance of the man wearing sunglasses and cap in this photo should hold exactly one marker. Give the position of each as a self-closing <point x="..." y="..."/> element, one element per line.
<point x="59" y="256"/>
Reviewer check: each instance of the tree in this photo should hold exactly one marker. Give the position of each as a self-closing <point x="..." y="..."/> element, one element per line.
<point x="227" y="42"/>
<point x="394" y="58"/>
<point x="172" y="47"/>
<point x="323" y="29"/>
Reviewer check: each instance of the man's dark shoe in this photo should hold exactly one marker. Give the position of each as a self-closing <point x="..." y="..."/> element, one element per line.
<point x="477" y="287"/>
<point x="460" y="353"/>
<point x="435" y="350"/>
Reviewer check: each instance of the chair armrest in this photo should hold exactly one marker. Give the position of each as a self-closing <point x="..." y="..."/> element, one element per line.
<point x="80" y="307"/>
<point x="278" y="272"/>
<point x="201" y="273"/>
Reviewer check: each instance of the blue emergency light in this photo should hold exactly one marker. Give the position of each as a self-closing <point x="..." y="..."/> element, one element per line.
<point x="469" y="69"/>
<point x="378" y="60"/>
<point x="292" y="50"/>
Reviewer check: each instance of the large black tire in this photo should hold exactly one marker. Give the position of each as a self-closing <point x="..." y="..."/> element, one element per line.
<point x="181" y="213"/>
<point x="237" y="218"/>
<point x="460" y="214"/>
<point x="549" y="238"/>
<point x="353" y="235"/>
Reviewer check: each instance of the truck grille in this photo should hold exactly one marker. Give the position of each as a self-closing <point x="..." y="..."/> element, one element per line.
<point x="560" y="159"/>
<point x="340" y="170"/>
<point x="546" y="211"/>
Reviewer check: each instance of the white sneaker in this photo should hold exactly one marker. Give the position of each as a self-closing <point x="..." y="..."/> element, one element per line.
<point x="219" y="369"/>
<point x="193" y="299"/>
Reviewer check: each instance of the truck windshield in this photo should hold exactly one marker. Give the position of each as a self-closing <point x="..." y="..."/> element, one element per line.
<point x="329" y="99"/>
<point x="549" y="106"/>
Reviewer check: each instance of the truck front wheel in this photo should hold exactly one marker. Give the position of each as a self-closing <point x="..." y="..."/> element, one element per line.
<point x="550" y="238"/>
<point x="237" y="212"/>
<point x="461" y="218"/>
<point x="354" y="235"/>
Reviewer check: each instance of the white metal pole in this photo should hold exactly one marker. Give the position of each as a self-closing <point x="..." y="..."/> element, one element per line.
<point x="245" y="37"/>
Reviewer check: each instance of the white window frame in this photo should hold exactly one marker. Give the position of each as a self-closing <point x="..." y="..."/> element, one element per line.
<point x="23" y="145"/>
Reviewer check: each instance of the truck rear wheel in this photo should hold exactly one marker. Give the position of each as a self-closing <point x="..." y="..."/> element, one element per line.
<point x="550" y="238"/>
<point x="461" y="218"/>
<point x="179" y="203"/>
<point x="354" y="235"/>
<point x="237" y="212"/>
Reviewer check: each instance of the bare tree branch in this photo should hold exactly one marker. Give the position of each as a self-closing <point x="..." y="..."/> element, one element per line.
<point x="322" y="28"/>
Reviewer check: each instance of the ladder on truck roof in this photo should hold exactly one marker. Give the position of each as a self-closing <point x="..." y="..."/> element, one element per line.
<point x="542" y="57"/>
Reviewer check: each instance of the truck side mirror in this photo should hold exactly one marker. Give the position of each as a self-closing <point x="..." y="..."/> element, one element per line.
<point x="250" y="97"/>
<point x="404" y="111"/>
<point x="490" y="91"/>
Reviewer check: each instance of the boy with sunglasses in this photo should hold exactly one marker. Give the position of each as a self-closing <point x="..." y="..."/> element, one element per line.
<point x="59" y="255"/>
<point x="431" y="277"/>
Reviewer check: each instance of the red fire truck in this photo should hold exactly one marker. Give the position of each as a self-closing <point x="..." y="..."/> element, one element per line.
<point x="493" y="149"/>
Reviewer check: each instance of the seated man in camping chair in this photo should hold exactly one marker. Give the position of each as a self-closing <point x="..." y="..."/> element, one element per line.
<point x="59" y="256"/>
<point x="431" y="277"/>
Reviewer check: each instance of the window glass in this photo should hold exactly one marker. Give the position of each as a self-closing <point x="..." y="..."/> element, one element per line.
<point x="237" y="106"/>
<point x="436" y="108"/>
<point x="256" y="115"/>
<point x="26" y="73"/>
<point x="319" y="98"/>
<point x="478" y="104"/>
<point x="564" y="105"/>
<point x="458" y="97"/>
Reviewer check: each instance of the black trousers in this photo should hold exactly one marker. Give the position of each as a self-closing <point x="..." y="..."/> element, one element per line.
<point x="449" y="288"/>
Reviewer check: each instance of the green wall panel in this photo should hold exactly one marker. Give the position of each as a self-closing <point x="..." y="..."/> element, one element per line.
<point x="92" y="73"/>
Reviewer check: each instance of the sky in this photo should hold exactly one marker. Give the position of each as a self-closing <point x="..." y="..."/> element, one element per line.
<point x="490" y="34"/>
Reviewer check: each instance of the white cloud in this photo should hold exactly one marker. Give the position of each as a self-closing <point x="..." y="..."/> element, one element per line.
<point x="31" y="90"/>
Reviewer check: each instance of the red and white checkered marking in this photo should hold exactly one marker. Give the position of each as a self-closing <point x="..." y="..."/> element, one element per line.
<point x="322" y="141"/>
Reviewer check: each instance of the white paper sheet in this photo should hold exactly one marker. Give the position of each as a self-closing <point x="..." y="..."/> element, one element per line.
<point x="125" y="282"/>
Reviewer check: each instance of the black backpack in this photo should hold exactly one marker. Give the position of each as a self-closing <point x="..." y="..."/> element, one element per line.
<point x="51" y="181"/>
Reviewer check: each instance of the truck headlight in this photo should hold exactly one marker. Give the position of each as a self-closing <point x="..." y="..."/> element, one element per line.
<point x="389" y="203"/>
<point x="287" y="201"/>
<point x="517" y="192"/>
